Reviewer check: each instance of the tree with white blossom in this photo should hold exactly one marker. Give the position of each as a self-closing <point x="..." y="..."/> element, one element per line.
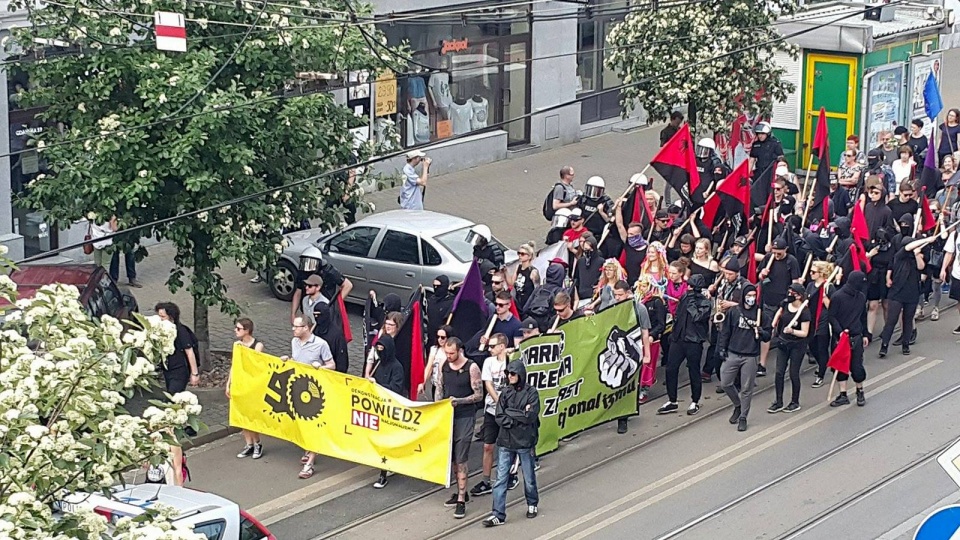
<point x="64" y="379"/>
<point x="230" y="117"/>
<point x="651" y="42"/>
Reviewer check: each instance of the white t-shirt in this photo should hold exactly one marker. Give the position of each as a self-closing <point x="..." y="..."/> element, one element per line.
<point x="99" y="231"/>
<point x="901" y="171"/>
<point x="421" y="127"/>
<point x="495" y="371"/>
<point x="461" y="116"/>
<point x="953" y="246"/>
<point x="440" y="90"/>
<point x="479" y="120"/>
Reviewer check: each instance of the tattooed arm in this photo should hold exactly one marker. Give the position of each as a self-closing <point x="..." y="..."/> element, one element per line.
<point x="476" y="384"/>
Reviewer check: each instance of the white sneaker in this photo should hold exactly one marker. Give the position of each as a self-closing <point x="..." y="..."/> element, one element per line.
<point x="935" y="314"/>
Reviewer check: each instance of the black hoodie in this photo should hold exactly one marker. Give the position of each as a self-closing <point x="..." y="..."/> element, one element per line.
<point x="328" y="329"/>
<point x="848" y="309"/>
<point x="438" y="305"/>
<point x="692" y="320"/>
<point x="389" y="373"/>
<point x="518" y="411"/>
<point x="738" y="333"/>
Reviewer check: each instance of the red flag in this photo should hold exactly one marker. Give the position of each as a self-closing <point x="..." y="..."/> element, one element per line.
<point x="513" y="309"/>
<point x="416" y="348"/>
<point x="929" y="222"/>
<point x="344" y="320"/>
<point x="710" y="209"/>
<point x="677" y="163"/>
<point x="637" y="197"/>
<point x="752" y="263"/>
<point x="840" y="358"/>
<point x="737" y="186"/>
<point x="859" y="223"/>
<point x="820" y="138"/>
<point x="858" y="252"/>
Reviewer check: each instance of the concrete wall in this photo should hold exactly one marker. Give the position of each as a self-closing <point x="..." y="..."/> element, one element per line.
<point x="554" y="80"/>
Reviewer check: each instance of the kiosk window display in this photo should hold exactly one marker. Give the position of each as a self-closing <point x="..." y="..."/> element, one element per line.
<point x="462" y="78"/>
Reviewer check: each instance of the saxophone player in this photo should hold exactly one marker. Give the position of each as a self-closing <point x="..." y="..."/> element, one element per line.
<point x="725" y="294"/>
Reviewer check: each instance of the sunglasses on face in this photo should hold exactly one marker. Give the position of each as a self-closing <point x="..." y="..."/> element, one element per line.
<point x="239" y="329"/>
<point x="441" y="336"/>
<point x="497" y="281"/>
<point x="560" y="309"/>
<point x="502" y="304"/>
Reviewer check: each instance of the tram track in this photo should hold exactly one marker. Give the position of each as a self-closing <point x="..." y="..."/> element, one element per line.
<point x="818" y="460"/>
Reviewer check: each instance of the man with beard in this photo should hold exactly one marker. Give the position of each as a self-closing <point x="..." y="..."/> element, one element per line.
<point x="741" y="333"/>
<point x="848" y="314"/>
<point x="690" y="330"/>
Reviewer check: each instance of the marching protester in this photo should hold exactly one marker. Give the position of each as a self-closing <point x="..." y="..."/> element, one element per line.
<point x="308" y="349"/>
<point x="243" y="328"/>
<point x="726" y="293"/>
<point x="527" y="277"/>
<point x="461" y="383"/>
<point x="391" y="326"/>
<point x="587" y="270"/>
<point x="690" y="327"/>
<point x="950" y="272"/>
<point x="819" y="291"/>
<point x="439" y="304"/>
<point x="650" y="294"/>
<point x="779" y="270"/>
<point x="848" y="314"/>
<point x="741" y="332"/>
<point x="903" y="282"/>
<point x="328" y="329"/>
<point x="387" y="373"/>
<point x="494" y="377"/>
<point x="518" y="415"/>
<point x="435" y="359"/>
<point x="623" y="293"/>
<point x="320" y="284"/>
<point x="792" y="324"/>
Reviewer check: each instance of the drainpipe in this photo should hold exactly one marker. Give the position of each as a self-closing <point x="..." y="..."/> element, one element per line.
<point x="864" y="113"/>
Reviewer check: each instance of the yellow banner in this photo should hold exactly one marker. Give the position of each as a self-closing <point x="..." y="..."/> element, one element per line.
<point x="340" y="415"/>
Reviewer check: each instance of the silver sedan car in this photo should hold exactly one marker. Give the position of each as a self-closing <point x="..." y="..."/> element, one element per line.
<point x="388" y="252"/>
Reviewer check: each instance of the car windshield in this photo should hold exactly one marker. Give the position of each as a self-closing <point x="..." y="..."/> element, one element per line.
<point x="456" y="243"/>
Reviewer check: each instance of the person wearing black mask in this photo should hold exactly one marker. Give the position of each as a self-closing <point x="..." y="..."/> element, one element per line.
<point x="878" y="169"/>
<point x="326" y="328"/>
<point x="439" y="304"/>
<point x="739" y="346"/>
<point x="587" y="270"/>
<point x="387" y="373"/>
<point x="880" y="251"/>
<point x="839" y="249"/>
<point x="792" y="323"/>
<point x="848" y="314"/>
<point x="690" y="331"/>
<point x="903" y="279"/>
<point x="779" y="270"/>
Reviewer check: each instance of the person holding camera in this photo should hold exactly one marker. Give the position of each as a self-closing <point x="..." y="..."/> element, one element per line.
<point x="411" y="192"/>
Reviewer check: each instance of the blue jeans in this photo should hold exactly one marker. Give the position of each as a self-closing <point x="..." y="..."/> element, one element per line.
<point x="505" y="460"/>
<point x="129" y="261"/>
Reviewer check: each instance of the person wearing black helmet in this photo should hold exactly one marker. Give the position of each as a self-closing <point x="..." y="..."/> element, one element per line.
<point x="848" y="314"/>
<point x="792" y="324"/>
<point x="765" y="151"/>
<point x="690" y="330"/>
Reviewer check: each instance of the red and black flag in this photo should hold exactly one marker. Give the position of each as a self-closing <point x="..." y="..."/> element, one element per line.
<point x="411" y="343"/>
<point x="734" y="194"/>
<point x="761" y="192"/>
<point x="928" y="221"/>
<point x="344" y="319"/>
<point x="821" y="187"/>
<point x="677" y="164"/>
<point x="469" y="312"/>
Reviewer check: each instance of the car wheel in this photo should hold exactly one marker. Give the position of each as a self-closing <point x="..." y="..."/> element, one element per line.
<point x="284" y="280"/>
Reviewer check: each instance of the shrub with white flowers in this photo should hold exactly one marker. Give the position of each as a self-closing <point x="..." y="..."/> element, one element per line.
<point x="650" y="42"/>
<point x="64" y="379"/>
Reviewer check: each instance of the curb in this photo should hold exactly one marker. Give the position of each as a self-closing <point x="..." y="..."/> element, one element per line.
<point x="216" y="433"/>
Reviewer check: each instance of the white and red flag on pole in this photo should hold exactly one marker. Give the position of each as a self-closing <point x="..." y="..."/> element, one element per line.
<point x="171" y="31"/>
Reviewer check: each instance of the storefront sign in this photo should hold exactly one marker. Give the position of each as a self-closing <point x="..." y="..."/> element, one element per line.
<point x="920" y="68"/>
<point x="453" y="45"/>
<point x="884" y="106"/>
<point x="386" y="99"/>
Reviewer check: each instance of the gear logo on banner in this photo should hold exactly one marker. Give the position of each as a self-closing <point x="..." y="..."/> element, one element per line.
<point x="620" y="360"/>
<point x="296" y="396"/>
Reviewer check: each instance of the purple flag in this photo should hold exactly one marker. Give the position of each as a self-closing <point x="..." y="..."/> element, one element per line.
<point x="931" y="179"/>
<point x="469" y="312"/>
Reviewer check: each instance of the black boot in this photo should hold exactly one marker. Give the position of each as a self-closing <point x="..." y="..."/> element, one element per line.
<point x="861" y="399"/>
<point x="735" y="416"/>
<point x="883" y="350"/>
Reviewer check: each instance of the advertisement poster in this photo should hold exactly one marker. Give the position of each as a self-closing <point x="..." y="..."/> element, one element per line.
<point x="884" y="107"/>
<point x="920" y="68"/>
<point x="586" y="373"/>
<point x="341" y="416"/>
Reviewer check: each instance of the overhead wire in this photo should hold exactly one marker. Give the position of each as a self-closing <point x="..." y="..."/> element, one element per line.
<point x="378" y="159"/>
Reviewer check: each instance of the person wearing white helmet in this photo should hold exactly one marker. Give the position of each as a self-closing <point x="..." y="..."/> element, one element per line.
<point x="483" y="245"/>
<point x="596" y="205"/>
<point x="712" y="169"/>
<point x="559" y="225"/>
<point x="765" y="150"/>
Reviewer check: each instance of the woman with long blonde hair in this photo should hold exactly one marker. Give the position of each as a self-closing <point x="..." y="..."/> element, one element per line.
<point x="655" y="265"/>
<point x="610" y="274"/>
<point x="818" y="292"/>
<point x="650" y="294"/>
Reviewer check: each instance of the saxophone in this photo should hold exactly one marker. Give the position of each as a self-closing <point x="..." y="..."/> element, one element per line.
<point x="718" y="314"/>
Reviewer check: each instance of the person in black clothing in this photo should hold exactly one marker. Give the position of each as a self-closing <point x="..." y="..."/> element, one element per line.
<point x="484" y="247"/>
<point x="671" y="129"/>
<point x="540" y="304"/>
<point x="181" y="367"/>
<point x="917" y="141"/>
<point x="527" y="277"/>
<point x="461" y="383"/>
<point x="739" y="346"/>
<point x="904" y="203"/>
<point x="840" y="201"/>
<point x="586" y="273"/>
<point x="778" y="270"/>
<point x="326" y="328"/>
<point x="880" y="251"/>
<point x="819" y="291"/>
<point x="334" y="283"/>
<point x="792" y="323"/>
<point x="725" y="294"/>
<point x="848" y="314"/>
<point x="439" y="304"/>
<point x="903" y="279"/>
<point x="690" y="330"/>
<point x="388" y="373"/>
<point x="766" y="150"/>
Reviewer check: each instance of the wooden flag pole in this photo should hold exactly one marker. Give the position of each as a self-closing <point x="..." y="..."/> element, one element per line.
<point x="832" y="385"/>
<point x="553" y="328"/>
<point x="773" y="212"/>
<point x="486" y="334"/>
<point x="917" y="222"/>
<point x="806" y="180"/>
<point x="806" y="266"/>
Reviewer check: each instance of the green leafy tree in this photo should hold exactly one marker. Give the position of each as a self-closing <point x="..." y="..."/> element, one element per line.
<point x="230" y="117"/>
<point x="650" y="42"/>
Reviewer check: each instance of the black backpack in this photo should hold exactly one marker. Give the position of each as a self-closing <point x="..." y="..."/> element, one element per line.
<point x="540" y="303"/>
<point x="548" y="210"/>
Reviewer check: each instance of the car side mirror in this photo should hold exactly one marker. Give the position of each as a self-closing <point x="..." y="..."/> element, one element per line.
<point x="325" y="247"/>
<point x="130" y="302"/>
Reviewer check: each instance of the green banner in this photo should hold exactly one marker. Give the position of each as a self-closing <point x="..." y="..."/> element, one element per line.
<point x="586" y="372"/>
